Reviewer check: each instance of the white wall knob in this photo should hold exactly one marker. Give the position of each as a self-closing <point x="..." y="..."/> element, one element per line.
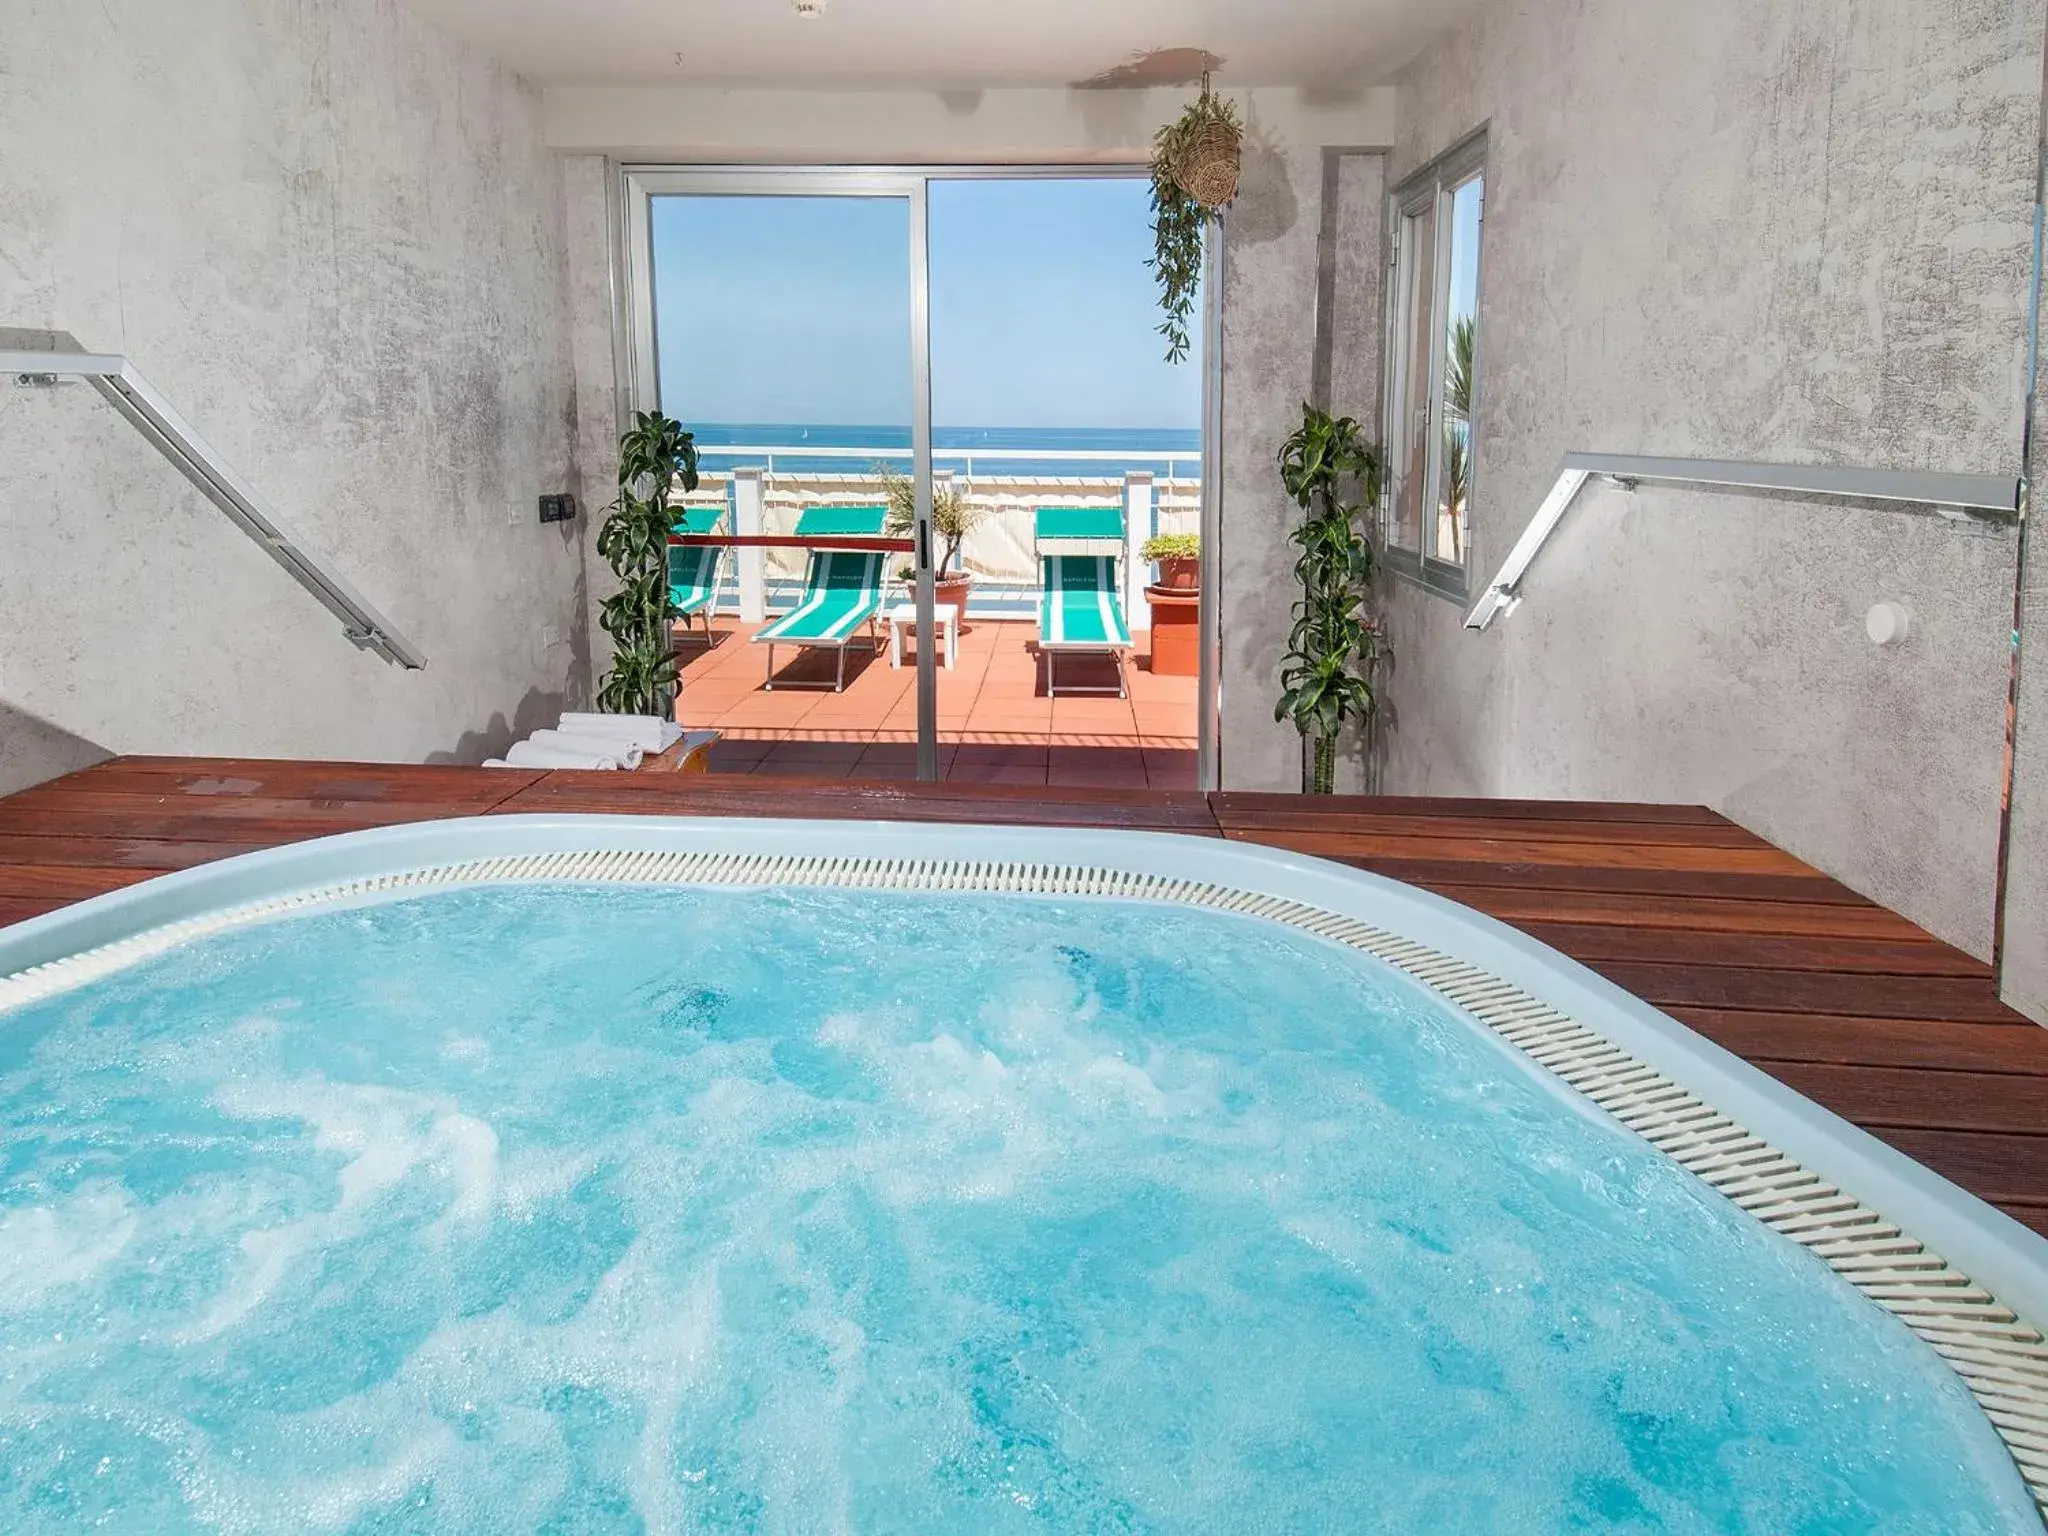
<point x="1887" y="623"/>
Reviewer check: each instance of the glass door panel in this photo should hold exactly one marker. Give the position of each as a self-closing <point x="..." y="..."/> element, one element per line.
<point x="1416" y="423"/>
<point x="786" y="335"/>
<point x="1063" y="442"/>
<point x="1461" y="329"/>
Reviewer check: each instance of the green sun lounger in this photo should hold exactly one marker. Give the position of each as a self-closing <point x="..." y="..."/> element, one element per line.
<point x="1080" y="603"/>
<point x="842" y="589"/>
<point x="693" y="570"/>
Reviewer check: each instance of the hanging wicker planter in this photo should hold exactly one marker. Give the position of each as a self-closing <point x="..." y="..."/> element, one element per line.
<point x="1206" y="167"/>
<point x="1194" y="171"/>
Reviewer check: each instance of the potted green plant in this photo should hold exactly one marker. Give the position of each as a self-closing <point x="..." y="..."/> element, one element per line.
<point x="1325" y="676"/>
<point x="1179" y="557"/>
<point x="1194" y="169"/>
<point x="655" y="456"/>
<point x="953" y="518"/>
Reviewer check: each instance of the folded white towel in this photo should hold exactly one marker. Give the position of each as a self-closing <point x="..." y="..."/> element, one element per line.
<point x="528" y="754"/>
<point x="648" y="732"/>
<point x="618" y="748"/>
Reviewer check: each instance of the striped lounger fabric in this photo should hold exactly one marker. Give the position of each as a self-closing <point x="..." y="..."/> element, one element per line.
<point x="1080" y="606"/>
<point x="693" y="569"/>
<point x="842" y="589"/>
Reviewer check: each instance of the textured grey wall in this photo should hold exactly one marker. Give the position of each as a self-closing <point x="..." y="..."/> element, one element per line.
<point x="333" y="237"/>
<point x="1760" y="230"/>
<point x="1269" y="335"/>
<point x="1354" y="332"/>
<point x="2024" y="977"/>
<point x="587" y="230"/>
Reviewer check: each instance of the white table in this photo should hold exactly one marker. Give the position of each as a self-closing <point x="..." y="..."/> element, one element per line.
<point x="904" y="616"/>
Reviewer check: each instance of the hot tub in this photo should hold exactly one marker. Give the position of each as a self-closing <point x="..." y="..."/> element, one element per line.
<point x="591" y="1174"/>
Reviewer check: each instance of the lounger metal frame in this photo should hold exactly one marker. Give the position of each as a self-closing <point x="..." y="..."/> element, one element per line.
<point x="874" y="641"/>
<point x="681" y="627"/>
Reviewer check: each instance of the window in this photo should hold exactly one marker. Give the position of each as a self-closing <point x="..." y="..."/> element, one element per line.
<point x="1435" y="219"/>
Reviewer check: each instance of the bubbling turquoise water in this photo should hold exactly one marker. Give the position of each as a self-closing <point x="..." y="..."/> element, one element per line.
<point x="597" y="1209"/>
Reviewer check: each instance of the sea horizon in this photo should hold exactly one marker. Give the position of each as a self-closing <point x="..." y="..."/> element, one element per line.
<point x="1128" y="447"/>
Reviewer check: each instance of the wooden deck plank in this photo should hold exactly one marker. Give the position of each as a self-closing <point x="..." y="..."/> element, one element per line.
<point x="19" y="909"/>
<point x="1184" y="811"/>
<point x="1492" y="845"/>
<point x="1702" y="914"/>
<point x="1238" y="807"/>
<point x="1848" y="1040"/>
<point x="1992" y="1166"/>
<point x="1675" y="834"/>
<point x="234" y="779"/>
<point x="1727" y="986"/>
<point x="1888" y="1097"/>
<point x="1841" y="999"/>
<point x="1593" y="943"/>
<point x="65" y="882"/>
<point x="1511" y="875"/>
<point x="156" y="854"/>
<point x="93" y="813"/>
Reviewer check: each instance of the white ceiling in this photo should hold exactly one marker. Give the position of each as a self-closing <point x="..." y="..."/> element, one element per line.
<point x="940" y="44"/>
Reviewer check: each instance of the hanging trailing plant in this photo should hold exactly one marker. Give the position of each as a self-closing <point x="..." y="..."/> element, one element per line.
<point x="1194" y="169"/>
<point x="653" y="456"/>
<point x="1325" y="676"/>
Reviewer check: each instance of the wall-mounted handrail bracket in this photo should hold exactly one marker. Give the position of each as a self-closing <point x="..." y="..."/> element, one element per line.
<point x="115" y="378"/>
<point x="1964" y="498"/>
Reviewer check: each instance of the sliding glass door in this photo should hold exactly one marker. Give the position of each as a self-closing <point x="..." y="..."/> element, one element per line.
<point x="785" y="327"/>
<point x="787" y="318"/>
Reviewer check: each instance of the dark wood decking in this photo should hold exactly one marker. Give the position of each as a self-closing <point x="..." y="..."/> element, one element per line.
<point x="1843" y="1000"/>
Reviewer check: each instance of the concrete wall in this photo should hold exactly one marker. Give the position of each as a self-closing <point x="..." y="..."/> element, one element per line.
<point x="906" y="127"/>
<point x="1301" y="322"/>
<point x="2023" y="978"/>
<point x="334" y="239"/>
<point x="1270" y="287"/>
<point x="1764" y="231"/>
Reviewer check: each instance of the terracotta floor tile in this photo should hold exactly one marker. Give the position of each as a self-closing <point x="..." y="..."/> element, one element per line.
<point x="992" y="698"/>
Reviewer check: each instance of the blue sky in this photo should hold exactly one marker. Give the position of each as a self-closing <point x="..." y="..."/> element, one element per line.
<point x="1465" y="206"/>
<point x="796" y="309"/>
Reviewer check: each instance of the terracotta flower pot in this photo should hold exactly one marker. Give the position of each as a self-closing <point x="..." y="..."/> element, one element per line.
<point x="1183" y="573"/>
<point x="952" y="588"/>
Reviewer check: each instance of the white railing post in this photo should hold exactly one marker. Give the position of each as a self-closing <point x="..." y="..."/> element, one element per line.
<point x="1137" y="529"/>
<point x="747" y="512"/>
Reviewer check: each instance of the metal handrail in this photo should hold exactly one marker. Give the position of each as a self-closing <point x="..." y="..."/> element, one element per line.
<point x="1962" y="497"/>
<point x="115" y="378"/>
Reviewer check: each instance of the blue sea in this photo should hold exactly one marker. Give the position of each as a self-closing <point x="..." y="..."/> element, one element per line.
<point x="984" y="449"/>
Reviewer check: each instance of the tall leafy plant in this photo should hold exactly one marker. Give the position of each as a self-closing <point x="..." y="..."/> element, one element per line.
<point x="1333" y="475"/>
<point x="654" y="457"/>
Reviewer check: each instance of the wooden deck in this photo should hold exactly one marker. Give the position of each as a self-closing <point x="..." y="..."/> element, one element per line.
<point x="1845" y="1001"/>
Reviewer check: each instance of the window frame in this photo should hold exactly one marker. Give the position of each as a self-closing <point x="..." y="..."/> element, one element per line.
<point x="1433" y="187"/>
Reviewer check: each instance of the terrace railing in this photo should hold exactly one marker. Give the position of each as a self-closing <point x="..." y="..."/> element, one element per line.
<point x="965" y="458"/>
<point x="999" y="550"/>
